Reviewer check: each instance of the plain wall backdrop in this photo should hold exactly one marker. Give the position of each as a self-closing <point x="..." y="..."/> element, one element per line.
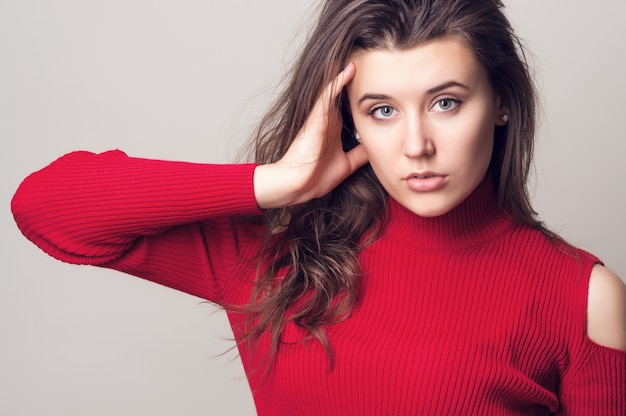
<point x="186" y="80"/>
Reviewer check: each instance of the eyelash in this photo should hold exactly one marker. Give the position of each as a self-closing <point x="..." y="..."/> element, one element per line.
<point x="454" y="101"/>
<point x="374" y="109"/>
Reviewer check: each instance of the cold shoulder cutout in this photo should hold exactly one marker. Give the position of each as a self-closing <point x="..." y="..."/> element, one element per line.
<point x="606" y="309"/>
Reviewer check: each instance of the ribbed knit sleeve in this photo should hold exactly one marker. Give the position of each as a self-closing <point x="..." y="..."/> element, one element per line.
<point x="142" y="216"/>
<point x="594" y="383"/>
<point x="598" y="385"/>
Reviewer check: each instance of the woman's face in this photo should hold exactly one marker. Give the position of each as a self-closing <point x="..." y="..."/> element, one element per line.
<point x="426" y="117"/>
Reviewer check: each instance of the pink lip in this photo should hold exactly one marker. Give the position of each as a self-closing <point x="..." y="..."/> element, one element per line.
<point x="425" y="181"/>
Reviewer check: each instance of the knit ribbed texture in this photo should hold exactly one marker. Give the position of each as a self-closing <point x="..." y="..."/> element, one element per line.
<point x="463" y="314"/>
<point x="90" y="208"/>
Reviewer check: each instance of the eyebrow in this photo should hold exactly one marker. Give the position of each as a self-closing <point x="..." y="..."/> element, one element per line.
<point x="433" y="90"/>
<point x="447" y="85"/>
<point x="368" y="96"/>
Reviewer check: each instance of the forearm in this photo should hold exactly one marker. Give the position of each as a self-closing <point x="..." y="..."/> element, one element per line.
<point x="93" y="206"/>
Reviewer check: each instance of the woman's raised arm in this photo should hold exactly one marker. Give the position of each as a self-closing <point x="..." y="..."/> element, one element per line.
<point x="90" y="208"/>
<point x="315" y="163"/>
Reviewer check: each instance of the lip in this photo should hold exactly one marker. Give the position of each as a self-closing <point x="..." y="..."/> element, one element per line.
<point x="425" y="181"/>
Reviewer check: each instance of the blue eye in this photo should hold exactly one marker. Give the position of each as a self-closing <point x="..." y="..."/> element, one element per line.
<point x="447" y="104"/>
<point x="382" y="112"/>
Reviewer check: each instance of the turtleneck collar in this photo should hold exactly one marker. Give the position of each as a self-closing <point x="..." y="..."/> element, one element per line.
<point x="474" y="221"/>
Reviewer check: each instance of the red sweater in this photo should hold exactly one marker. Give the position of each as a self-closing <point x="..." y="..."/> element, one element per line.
<point x="463" y="314"/>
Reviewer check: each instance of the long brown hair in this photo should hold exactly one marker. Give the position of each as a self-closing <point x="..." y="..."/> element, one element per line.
<point x="309" y="269"/>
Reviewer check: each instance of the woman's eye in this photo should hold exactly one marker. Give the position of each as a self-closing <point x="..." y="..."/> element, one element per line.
<point x="446" y="104"/>
<point x="382" y="112"/>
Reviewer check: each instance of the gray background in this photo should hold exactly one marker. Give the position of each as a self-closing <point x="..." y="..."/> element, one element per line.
<point x="186" y="80"/>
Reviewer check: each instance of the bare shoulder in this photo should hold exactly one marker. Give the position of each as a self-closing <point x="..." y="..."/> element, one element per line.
<point x="606" y="309"/>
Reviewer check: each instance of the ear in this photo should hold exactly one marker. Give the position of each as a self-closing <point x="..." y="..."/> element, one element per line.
<point x="501" y="112"/>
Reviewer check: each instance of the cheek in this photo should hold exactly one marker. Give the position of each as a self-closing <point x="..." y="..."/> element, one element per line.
<point x="480" y="135"/>
<point x="486" y="137"/>
<point x="480" y="149"/>
<point x="376" y="153"/>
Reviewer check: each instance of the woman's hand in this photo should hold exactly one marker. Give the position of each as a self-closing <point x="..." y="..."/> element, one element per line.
<point x="315" y="163"/>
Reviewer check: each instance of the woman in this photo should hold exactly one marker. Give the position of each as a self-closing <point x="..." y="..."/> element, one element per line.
<point x="381" y="256"/>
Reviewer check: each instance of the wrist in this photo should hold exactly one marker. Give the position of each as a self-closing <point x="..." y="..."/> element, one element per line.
<point x="274" y="187"/>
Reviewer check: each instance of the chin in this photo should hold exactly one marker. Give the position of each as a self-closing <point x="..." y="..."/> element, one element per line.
<point x="429" y="211"/>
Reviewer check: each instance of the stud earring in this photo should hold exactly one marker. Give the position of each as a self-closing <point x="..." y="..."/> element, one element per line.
<point x="504" y="118"/>
<point x="357" y="136"/>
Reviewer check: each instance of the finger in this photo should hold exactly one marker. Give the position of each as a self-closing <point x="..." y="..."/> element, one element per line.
<point x="357" y="157"/>
<point x="334" y="88"/>
<point x="342" y="79"/>
<point x="325" y="102"/>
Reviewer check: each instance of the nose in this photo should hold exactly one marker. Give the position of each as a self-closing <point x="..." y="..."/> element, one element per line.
<point x="417" y="140"/>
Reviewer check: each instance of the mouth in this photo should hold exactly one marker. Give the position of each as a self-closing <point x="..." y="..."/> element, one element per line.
<point x="424" y="175"/>
<point x="425" y="181"/>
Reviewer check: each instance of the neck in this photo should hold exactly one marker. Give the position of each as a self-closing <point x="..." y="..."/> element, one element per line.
<point x="476" y="219"/>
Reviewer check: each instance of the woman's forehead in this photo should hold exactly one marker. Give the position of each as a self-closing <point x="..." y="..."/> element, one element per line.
<point x="424" y="66"/>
